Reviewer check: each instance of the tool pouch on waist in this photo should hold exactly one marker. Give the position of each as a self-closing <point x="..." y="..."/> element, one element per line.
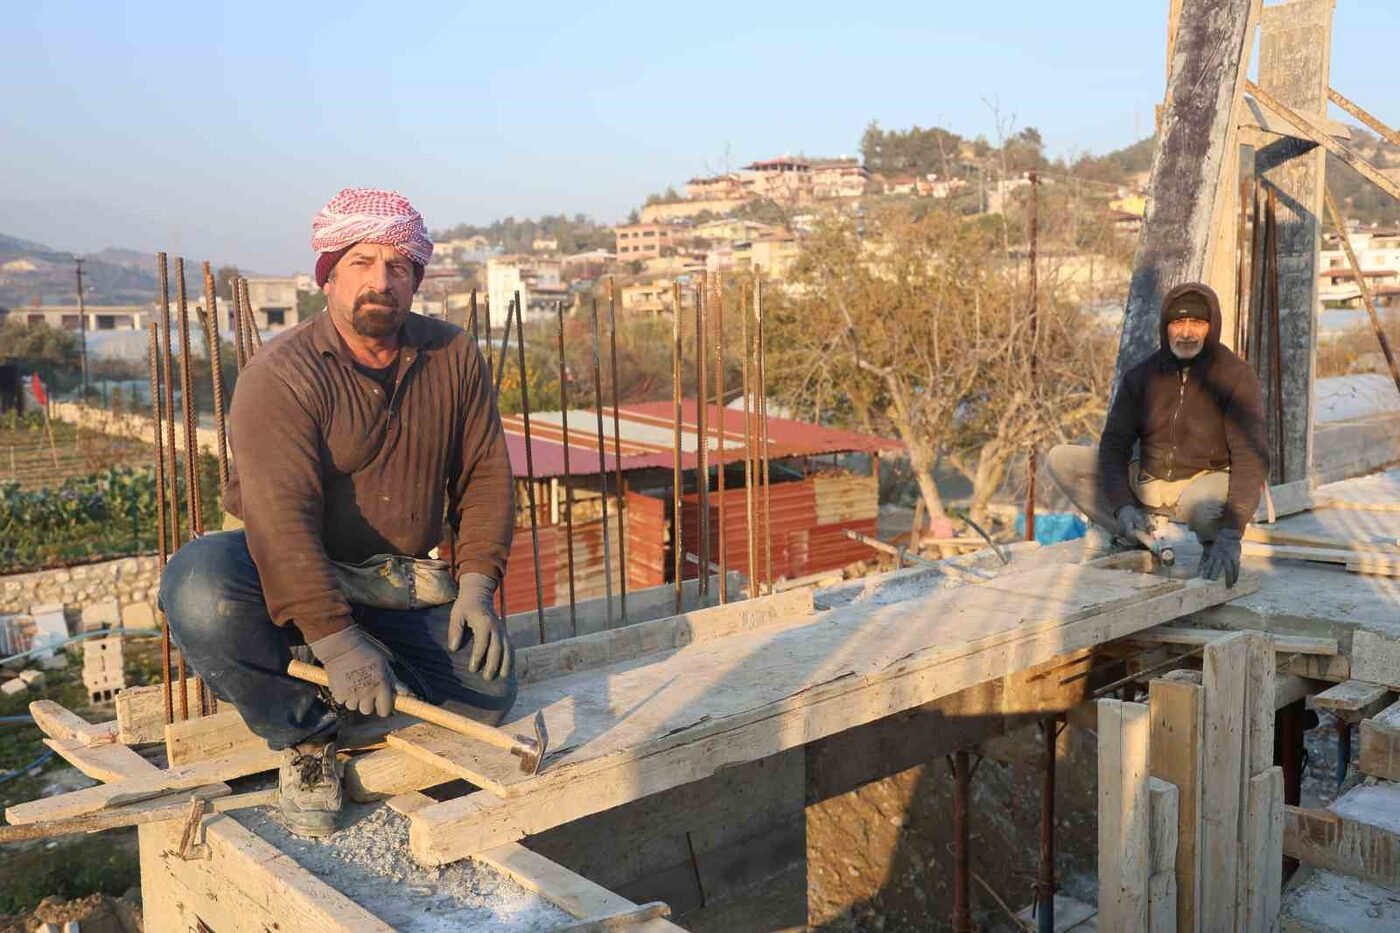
<point x="392" y="581"/>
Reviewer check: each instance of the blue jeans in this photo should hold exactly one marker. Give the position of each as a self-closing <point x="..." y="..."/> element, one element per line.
<point x="213" y="602"/>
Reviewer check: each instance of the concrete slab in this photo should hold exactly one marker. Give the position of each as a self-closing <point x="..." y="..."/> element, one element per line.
<point x="1326" y="902"/>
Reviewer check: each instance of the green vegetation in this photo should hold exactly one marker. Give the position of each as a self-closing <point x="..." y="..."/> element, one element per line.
<point x="575" y="234"/>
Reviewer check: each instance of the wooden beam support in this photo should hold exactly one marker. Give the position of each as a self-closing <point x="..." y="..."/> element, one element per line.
<point x="1263" y="844"/>
<point x="1352" y="701"/>
<point x="1356" y="110"/>
<point x="1380" y="744"/>
<point x="1283" y="644"/>
<point x="1223" y="759"/>
<point x="1177" y="708"/>
<point x="1336" y="843"/>
<point x="1125" y="856"/>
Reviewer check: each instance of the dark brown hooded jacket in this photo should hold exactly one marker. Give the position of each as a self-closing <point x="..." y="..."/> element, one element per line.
<point x="1188" y="416"/>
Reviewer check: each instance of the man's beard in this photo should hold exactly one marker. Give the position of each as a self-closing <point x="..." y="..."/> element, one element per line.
<point x="1187" y="350"/>
<point x="376" y="322"/>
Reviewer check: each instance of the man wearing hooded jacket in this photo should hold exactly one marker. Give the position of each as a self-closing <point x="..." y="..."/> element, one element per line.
<point x="1195" y="414"/>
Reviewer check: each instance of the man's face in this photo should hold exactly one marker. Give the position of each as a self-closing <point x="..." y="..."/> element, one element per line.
<point x="1187" y="336"/>
<point x="371" y="289"/>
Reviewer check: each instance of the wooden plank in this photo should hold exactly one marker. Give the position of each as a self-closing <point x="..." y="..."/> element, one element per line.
<point x="1259" y="703"/>
<point x="103" y="762"/>
<point x="1164" y="798"/>
<point x="1327" y="840"/>
<point x="1352" y="701"/>
<point x="481" y="764"/>
<point x="1221" y="770"/>
<point x="142" y="786"/>
<point x="58" y="723"/>
<point x="1380" y="744"/>
<point x="141" y="711"/>
<point x="1125" y="856"/>
<point x="1375" y="565"/>
<point x="1332" y="668"/>
<point x="1178" y="707"/>
<point x="1161" y="903"/>
<point x="139" y="814"/>
<point x="387" y="772"/>
<point x="219" y="736"/>
<point x="1264" y="534"/>
<point x="1317" y="555"/>
<point x="1283" y="644"/>
<point x="1211" y="56"/>
<point x="1288" y="499"/>
<point x="711" y="728"/>
<point x="1290" y="688"/>
<point x="1375" y="658"/>
<point x="599" y="649"/>
<point x="1264" y="847"/>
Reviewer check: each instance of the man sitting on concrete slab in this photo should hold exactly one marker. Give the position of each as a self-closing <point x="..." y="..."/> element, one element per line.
<point x="1195" y="412"/>
<point x="355" y="436"/>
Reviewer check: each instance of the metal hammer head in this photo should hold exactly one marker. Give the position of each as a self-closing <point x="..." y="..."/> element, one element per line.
<point x="531" y="753"/>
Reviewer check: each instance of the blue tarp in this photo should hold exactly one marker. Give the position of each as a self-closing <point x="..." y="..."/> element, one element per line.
<point x="1053" y="527"/>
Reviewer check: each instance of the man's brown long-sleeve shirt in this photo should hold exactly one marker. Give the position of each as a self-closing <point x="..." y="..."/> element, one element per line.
<point x="325" y="467"/>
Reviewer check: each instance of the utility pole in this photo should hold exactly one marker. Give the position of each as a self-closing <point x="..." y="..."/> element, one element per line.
<point x="82" y="325"/>
<point x="1031" y="458"/>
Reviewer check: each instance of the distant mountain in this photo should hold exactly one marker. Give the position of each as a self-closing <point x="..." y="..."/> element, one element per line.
<point x="34" y="273"/>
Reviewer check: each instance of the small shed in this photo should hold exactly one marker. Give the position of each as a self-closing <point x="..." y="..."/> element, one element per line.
<point x="824" y="481"/>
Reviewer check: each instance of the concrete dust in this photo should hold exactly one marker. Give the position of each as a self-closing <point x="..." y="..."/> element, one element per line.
<point x="1324" y="902"/>
<point x="369" y="862"/>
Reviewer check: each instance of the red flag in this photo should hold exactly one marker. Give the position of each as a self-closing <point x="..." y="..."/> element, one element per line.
<point x="37" y="386"/>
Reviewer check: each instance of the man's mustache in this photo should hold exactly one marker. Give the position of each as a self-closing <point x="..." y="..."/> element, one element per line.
<point x="377" y="298"/>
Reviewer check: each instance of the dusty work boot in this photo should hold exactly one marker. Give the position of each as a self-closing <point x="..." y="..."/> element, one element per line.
<point x="309" y="780"/>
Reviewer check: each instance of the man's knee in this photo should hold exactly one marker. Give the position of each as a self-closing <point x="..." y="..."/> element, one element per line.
<point x="486" y="701"/>
<point x="194" y="584"/>
<point x="1066" y="462"/>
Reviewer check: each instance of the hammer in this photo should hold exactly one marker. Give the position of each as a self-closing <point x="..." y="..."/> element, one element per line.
<point x="1163" y="552"/>
<point x="529" y="751"/>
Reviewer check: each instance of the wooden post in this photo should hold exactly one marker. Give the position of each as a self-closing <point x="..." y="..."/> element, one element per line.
<point x="1295" y="52"/>
<point x="1264" y="842"/>
<point x="1161" y="882"/>
<point x="1177" y="707"/>
<point x="1124" y="816"/>
<point x="1222" y="767"/>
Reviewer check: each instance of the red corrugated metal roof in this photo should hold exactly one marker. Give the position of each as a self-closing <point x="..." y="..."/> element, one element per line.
<point x="647" y="432"/>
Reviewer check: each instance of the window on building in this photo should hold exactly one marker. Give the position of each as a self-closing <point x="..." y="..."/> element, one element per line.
<point x="276" y="317"/>
<point x="106" y="322"/>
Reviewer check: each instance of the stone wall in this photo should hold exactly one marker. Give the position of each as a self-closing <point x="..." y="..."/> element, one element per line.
<point x="131" y="581"/>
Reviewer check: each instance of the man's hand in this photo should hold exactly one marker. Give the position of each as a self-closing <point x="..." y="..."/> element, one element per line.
<point x="359" y="671"/>
<point x="1224" y="555"/>
<point x="492" y="653"/>
<point x="1132" y="521"/>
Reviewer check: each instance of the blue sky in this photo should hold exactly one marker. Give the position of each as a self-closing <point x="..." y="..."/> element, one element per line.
<point x="217" y="129"/>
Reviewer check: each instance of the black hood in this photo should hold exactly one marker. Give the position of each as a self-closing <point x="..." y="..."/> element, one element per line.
<point x="1212" y="301"/>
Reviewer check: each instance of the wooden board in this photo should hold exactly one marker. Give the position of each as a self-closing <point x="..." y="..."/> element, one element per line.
<point x="1379" y="755"/>
<point x="1222" y="766"/>
<point x="141" y="711"/>
<point x="632" y="729"/>
<point x="1125" y="857"/>
<point x="1283" y="644"/>
<point x="1327" y="840"/>
<point x="1264" y="845"/>
<point x="1352" y="701"/>
<point x="1177" y="709"/>
<point x="219" y="736"/>
<point x="387" y="772"/>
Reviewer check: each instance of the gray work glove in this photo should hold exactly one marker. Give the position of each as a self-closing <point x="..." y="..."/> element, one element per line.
<point x="358" y="669"/>
<point x="492" y="653"/>
<point x="1132" y="521"/>
<point x="1223" y="554"/>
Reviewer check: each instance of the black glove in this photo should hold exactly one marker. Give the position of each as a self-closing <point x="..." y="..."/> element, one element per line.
<point x="1132" y="521"/>
<point x="1223" y="554"/>
<point x="492" y="653"/>
<point x="359" y="671"/>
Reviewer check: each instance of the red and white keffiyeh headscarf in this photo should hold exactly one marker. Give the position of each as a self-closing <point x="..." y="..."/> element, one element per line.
<point x="368" y="215"/>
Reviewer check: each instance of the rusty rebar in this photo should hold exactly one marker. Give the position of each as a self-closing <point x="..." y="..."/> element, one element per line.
<point x="1339" y="222"/>
<point x="617" y="458"/>
<point x="765" y="465"/>
<point x="235" y="322"/>
<point x="471" y="321"/>
<point x="719" y="440"/>
<point x="512" y="312"/>
<point x="187" y="408"/>
<point x="750" y="532"/>
<point x="602" y="457"/>
<point x="216" y="372"/>
<point x="1045" y="875"/>
<point x="529" y="462"/>
<point x="161" y="544"/>
<point x="255" y="340"/>
<point x="1031" y="458"/>
<point x="677" y="474"/>
<point x="172" y="466"/>
<point x="702" y="447"/>
<point x="486" y="322"/>
<point x="568" y="472"/>
<point x="962" y="900"/>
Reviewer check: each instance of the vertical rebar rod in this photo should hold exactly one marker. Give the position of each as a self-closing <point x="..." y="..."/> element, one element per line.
<point x="1241" y="267"/>
<point x="187" y="409"/>
<point x="677" y="474"/>
<point x="617" y="459"/>
<point x="1275" y="350"/>
<point x="765" y="466"/>
<point x="172" y="465"/>
<point x="216" y="371"/>
<point x="512" y="311"/>
<point x="235" y="323"/>
<point x="719" y="440"/>
<point x="471" y="322"/>
<point x="255" y="340"/>
<point x="568" y="472"/>
<point x="162" y="546"/>
<point x="486" y="322"/>
<point x="962" y="904"/>
<point x="529" y="462"/>
<point x="750" y="532"/>
<point x="602" y="459"/>
<point x="1031" y="458"/>
<point x="1045" y="877"/>
<point x="702" y="449"/>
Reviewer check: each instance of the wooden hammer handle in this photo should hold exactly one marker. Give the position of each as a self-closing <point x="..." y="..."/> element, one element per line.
<point x="428" y="713"/>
